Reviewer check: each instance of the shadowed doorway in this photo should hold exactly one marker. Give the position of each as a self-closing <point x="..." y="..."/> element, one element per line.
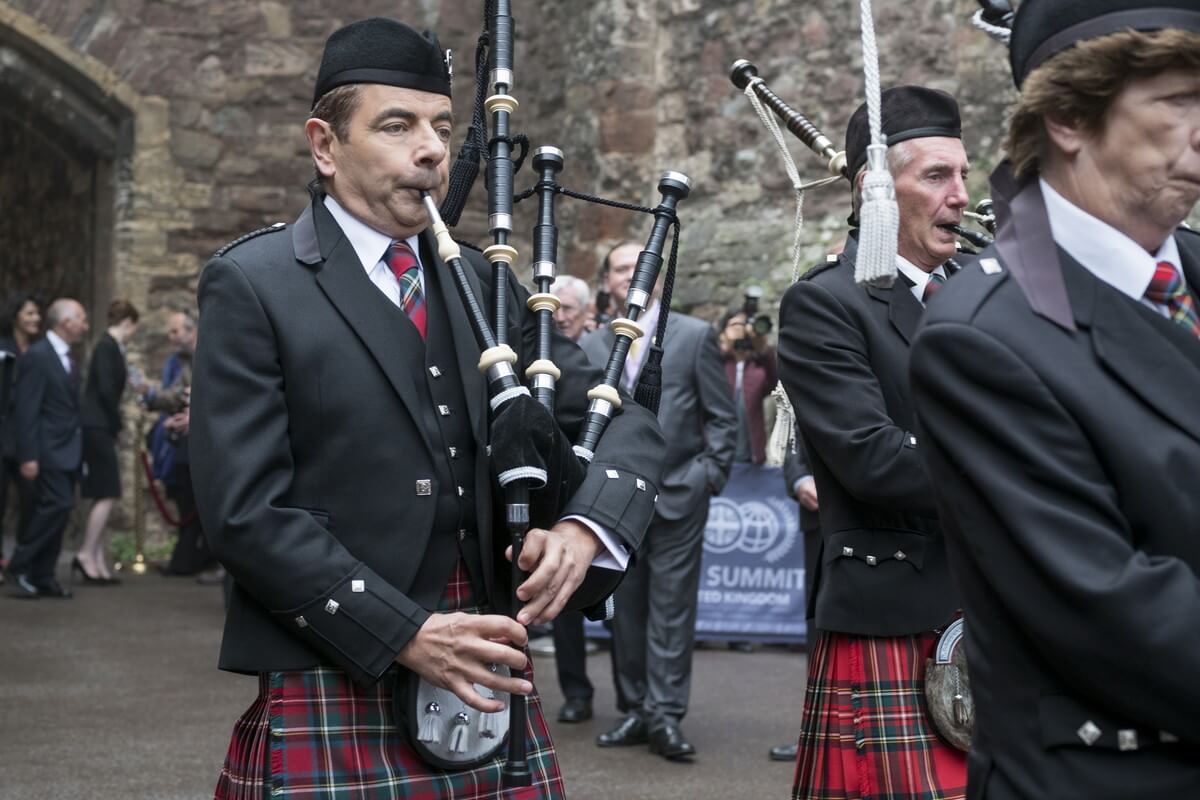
<point x="64" y="145"/>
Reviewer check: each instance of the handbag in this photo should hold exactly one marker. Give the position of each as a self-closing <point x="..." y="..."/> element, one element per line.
<point x="443" y="730"/>
<point x="948" y="700"/>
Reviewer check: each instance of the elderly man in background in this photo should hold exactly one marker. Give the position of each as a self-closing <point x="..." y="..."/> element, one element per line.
<point x="49" y="447"/>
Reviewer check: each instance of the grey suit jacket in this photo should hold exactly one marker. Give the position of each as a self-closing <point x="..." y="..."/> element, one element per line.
<point x="696" y="413"/>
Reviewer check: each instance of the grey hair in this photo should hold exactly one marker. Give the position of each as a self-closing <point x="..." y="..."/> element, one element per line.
<point x="61" y="310"/>
<point x="578" y="286"/>
<point x="899" y="156"/>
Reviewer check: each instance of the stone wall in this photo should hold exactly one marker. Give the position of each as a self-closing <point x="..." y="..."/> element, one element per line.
<point x="216" y="92"/>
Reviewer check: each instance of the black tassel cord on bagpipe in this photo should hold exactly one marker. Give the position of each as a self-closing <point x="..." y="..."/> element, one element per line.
<point x="744" y="74"/>
<point x="520" y="469"/>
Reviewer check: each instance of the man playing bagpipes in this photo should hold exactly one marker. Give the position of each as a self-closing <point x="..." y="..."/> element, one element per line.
<point x="344" y="467"/>
<point x="1056" y="384"/>
<point x="882" y="587"/>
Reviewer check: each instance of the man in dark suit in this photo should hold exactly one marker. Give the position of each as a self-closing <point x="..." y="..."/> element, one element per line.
<point x="49" y="447"/>
<point x="882" y="585"/>
<point x="1056" y="383"/>
<point x="339" y="451"/>
<point x="654" y="627"/>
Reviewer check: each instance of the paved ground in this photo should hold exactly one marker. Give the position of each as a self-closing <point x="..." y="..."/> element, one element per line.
<point x="115" y="694"/>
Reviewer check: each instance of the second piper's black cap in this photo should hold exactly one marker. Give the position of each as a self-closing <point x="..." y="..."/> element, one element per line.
<point x="909" y="112"/>
<point x="381" y="50"/>
<point x="1043" y="28"/>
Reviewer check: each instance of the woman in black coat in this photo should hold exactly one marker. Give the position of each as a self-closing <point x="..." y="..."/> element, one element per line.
<point x="20" y="325"/>
<point x="101" y="415"/>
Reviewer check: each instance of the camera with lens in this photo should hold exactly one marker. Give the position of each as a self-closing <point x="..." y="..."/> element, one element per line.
<point x="757" y="324"/>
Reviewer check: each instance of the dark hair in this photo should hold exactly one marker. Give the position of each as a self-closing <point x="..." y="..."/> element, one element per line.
<point x="121" y="310"/>
<point x="335" y="107"/>
<point x="1080" y="84"/>
<point x="615" y="248"/>
<point x="16" y="301"/>
<point x="728" y="315"/>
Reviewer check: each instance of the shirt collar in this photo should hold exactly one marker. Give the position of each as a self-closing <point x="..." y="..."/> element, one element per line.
<point x="60" y="347"/>
<point x="1102" y="249"/>
<point x="369" y="244"/>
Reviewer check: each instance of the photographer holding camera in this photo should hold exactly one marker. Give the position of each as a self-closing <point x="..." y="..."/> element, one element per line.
<point x="750" y="366"/>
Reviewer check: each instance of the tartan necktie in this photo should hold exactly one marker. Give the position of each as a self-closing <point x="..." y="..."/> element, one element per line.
<point x="932" y="286"/>
<point x="1166" y="289"/>
<point x="404" y="265"/>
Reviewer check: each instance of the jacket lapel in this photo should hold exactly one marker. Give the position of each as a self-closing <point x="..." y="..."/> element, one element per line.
<point x="1157" y="359"/>
<point x="904" y="310"/>
<point x="395" y="346"/>
<point x="466" y="348"/>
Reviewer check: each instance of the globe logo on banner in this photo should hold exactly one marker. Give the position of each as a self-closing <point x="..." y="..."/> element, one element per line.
<point x="753" y="527"/>
<point x="752" y="572"/>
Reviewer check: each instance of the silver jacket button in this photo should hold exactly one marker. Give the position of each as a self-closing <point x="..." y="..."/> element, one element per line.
<point x="1089" y="732"/>
<point x="424" y="487"/>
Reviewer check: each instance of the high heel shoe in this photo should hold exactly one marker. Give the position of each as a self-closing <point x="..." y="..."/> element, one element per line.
<point x="77" y="569"/>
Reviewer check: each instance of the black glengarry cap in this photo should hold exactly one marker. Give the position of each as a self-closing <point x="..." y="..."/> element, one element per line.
<point x="909" y="112"/>
<point x="1043" y="28"/>
<point x="385" y="51"/>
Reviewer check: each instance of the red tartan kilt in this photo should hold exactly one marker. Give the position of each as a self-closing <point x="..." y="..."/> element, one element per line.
<point x="316" y="735"/>
<point x="865" y="733"/>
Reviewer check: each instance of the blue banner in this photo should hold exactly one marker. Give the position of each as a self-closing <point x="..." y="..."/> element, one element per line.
<point x="752" y="573"/>
<point x="752" y="578"/>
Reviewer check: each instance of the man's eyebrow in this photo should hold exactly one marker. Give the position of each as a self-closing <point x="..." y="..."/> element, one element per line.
<point x="397" y="112"/>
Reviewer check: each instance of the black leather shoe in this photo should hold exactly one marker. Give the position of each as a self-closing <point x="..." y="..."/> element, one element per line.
<point x="631" y="731"/>
<point x="785" y="752"/>
<point x="22" y="587"/>
<point x="576" y="709"/>
<point x="53" y="588"/>
<point x="669" y="743"/>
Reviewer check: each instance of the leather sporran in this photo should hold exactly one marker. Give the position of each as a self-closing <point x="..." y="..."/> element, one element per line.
<point x="948" y="697"/>
<point x="443" y="730"/>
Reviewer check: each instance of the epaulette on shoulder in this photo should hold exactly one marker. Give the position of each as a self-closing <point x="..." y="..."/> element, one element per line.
<point x="831" y="261"/>
<point x="278" y="226"/>
<point x="970" y="289"/>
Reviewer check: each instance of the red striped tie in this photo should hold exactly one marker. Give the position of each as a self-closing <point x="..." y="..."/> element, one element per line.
<point x="1167" y="289"/>
<point x="404" y="265"/>
<point x="932" y="287"/>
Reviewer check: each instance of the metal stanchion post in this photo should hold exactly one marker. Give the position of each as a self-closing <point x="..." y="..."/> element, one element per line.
<point x="139" y="496"/>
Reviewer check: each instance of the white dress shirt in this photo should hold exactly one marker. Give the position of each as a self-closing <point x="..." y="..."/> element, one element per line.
<point x="371" y="246"/>
<point x="918" y="276"/>
<point x="1106" y="252"/>
<point x="648" y="322"/>
<point x="61" y="349"/>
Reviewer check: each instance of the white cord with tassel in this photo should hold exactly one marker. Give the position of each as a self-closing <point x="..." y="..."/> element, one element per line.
<point x="783" y="435"/>
<point x="875" y="264"/>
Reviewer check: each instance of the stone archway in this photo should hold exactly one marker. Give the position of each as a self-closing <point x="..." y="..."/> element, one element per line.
<point x="65" y="145"/>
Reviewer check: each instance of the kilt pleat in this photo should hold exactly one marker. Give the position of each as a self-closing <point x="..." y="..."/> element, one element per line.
<point x="316" y="735"/>
<point x="865" y="734"/>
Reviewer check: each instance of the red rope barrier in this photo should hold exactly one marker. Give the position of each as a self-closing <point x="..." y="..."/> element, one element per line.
<point x="158" y="500"/>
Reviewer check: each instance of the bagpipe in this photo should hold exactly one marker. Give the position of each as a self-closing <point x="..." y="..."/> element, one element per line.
<point x="535" y="465"/>
<point x="744" y="75"/>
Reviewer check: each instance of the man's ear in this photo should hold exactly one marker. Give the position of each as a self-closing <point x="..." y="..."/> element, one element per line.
<point x="1065" y="135"/>
<point x="321" y="141"/>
